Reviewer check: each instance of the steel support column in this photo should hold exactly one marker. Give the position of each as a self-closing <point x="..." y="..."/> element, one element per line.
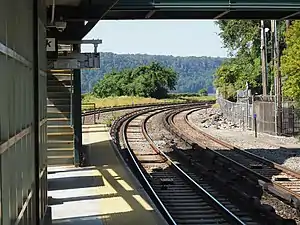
<point x="36" y="115"/>
<point x="79" y="154"/>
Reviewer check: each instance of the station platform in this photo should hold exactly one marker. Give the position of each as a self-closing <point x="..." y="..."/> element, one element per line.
<point x="104" y="193"/>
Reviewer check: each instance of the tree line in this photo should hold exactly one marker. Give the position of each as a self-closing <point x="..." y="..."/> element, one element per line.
<point x="242" y="38"/>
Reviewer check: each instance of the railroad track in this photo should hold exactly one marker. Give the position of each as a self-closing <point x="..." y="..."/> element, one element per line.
<point x="278" y="180"/>
<point x="185" y="201"/>
<point x="177" y="194"/>
<point x="91" y="115"/>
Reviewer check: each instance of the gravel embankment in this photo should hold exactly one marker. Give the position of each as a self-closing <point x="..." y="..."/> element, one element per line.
<point x="282" y="150"/>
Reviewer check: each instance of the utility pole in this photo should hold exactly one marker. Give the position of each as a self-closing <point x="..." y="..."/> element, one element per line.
<point x="278" y="91"/>
<point x="263" y="59"/>
<point x="275" y="77"/>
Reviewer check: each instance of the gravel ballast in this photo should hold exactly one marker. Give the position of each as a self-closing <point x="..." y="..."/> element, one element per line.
<point x="282" y="150"/>
<point x="163" y="139"/>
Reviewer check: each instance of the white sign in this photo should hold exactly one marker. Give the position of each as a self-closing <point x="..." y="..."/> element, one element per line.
<point x="50" y="44"/>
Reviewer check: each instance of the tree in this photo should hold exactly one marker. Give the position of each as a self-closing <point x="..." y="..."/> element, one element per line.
<point x="151" y="80"/>
<point x="242" y="38"/>
<point x="203" y="92"/>
<point x="290" y="63"/>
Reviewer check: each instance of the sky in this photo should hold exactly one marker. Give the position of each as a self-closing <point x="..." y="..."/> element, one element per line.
<point x="158" y="37"/>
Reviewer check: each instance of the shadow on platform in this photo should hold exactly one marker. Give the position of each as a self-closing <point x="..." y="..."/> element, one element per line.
<point x="74" y="182"/>
<point x="103" y="193"/>
<point x="88" y="220"/>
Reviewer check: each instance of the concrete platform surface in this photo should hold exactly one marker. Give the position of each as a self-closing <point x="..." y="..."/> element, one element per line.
<point x="102" y="194"/>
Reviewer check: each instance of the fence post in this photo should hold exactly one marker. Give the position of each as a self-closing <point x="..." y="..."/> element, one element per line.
<point x="94" y="113"/>
<point x="293" y="120"/>
<point x="252" y="111"/>
<point x="255" y="125"/>
<point x="243" y="110"/>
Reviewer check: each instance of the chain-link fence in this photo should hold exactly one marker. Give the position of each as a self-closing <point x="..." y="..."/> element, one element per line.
<point x="237" y="112"/>
<point x="242" y="113"/>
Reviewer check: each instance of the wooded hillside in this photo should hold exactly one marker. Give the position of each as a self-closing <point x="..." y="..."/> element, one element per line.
<point x="194" y="73"/>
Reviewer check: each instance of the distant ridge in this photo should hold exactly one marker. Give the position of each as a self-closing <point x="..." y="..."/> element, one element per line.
<point x="194" y="72"/>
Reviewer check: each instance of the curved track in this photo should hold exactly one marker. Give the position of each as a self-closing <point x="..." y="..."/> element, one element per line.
<point x="280" y="181"/>
<point x="176" y="193"/>
<point x="92" y="115"/>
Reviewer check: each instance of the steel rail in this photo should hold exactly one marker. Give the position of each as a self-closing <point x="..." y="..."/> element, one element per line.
<point x="277" y="189"/>
<point x="226" y="212"/>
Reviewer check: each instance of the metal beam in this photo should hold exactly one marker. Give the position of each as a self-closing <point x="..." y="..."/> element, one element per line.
<point x="109" y="8"/>
<point x="230" y="5"/>
<point x="77" y="42"/>
<point x="291" y="15"/>
<point x="87" y="28"/>
<point x="4" y="146"/>
<point x="222" y="14"/>
<point x="169" y="13"/>
<point x="150" y="14"/>
<point x="95" y="11"/>
<point x="14" y="55"/>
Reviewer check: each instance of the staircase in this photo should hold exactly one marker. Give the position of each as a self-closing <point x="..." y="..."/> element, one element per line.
<point x="59" y="129"/>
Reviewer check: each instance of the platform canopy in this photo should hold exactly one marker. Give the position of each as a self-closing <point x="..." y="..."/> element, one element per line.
<point x="77" y="11"/>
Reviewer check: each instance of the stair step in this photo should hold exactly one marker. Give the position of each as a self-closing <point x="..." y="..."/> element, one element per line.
<point x="59" y="128"/>
<point x="57" y="85"/>
<point x="53" y="115"/>
<point x="58" y="88"/>
<point x="59" y="78"/>
<point x="58" y="108"/>
<point x="58" y="105"/>
<point x="60" y="152"/>
<point x="61" y="133"/>
<point x="60" y="160"/>
<point x="59" y="121"/>
<point x="62" y="94"/>
<point x="60" y="144"/>
<point x="59" y="71"/>
<point x="60" y="83"/>
<point x="58" y="101"/>
<point x="60" y="136"/>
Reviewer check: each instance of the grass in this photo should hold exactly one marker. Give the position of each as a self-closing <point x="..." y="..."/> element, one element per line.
<point x="200" y="98"/>
<point x="108" y="122"/>
<point x="130" y="100"/>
